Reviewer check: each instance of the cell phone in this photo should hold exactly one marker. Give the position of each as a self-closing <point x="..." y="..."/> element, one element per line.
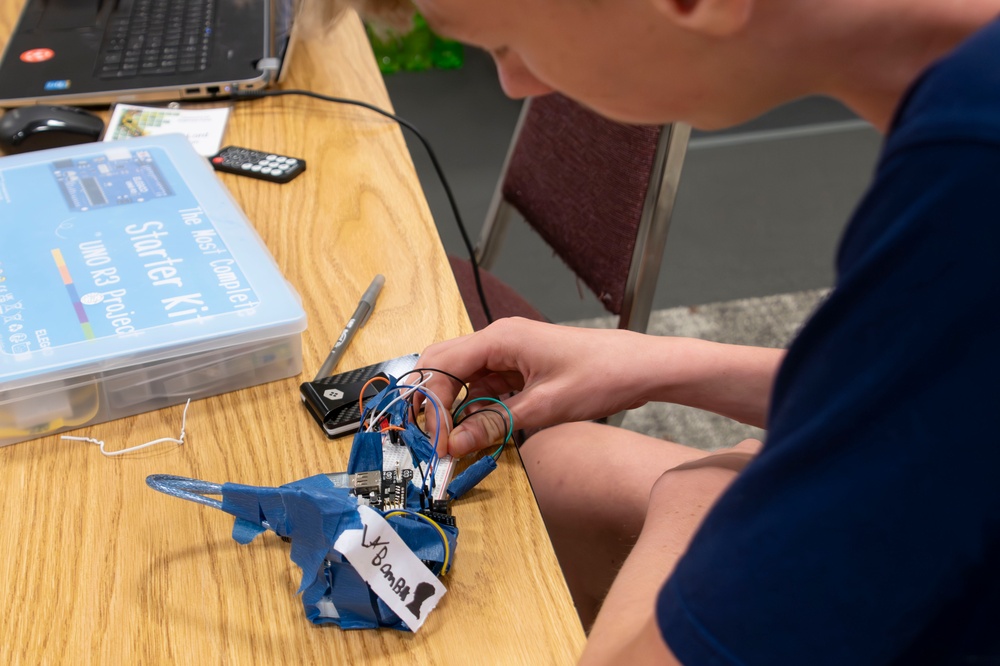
<point x="334" y="401"/>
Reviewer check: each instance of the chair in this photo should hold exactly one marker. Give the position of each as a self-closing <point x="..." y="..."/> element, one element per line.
<point x="599" y="193"/>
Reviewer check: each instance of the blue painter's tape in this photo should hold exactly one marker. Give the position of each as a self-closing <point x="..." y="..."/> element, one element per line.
<point x="244" y="531"/>
<point x="313" y="512"/>
<point x="475" y="473"/>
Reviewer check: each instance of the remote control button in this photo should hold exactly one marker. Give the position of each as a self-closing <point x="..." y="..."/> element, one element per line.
<point x="267" y="166"/>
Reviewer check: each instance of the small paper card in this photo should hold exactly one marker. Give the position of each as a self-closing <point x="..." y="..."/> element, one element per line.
<point x="202" y="127"/>
<point x="390" y="568"/>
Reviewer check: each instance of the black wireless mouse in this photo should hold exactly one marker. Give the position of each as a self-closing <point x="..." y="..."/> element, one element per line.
<point x="46" y="126"/>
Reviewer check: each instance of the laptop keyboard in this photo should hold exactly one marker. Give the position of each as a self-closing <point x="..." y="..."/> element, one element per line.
<point x="157" y="37"/>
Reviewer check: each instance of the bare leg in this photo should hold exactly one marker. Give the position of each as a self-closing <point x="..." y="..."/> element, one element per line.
<point x="592" y="483"/>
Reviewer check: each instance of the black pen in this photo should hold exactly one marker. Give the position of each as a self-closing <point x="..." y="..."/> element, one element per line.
<point x="357" y="320"/>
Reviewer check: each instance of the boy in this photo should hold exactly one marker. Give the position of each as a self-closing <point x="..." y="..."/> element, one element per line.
<point x="866" y="529"/>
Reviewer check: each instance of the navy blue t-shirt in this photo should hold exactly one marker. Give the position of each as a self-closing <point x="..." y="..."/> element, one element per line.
<point x="868" y="529"/>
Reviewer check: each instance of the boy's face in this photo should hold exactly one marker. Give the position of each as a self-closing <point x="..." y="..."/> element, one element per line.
<point x="609" y="55"/>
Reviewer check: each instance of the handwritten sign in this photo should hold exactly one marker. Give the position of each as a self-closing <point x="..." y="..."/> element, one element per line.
<point x="390" y="568"/>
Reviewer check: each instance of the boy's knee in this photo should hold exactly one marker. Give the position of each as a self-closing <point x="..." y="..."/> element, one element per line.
<point x="556" y="443"/>
<point x="565" y="463"/>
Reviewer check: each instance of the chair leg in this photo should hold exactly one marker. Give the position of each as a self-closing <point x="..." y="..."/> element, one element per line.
<point x="494" y="231"/>
<point x="647" y="259"/>
<point x="498" y="216"/>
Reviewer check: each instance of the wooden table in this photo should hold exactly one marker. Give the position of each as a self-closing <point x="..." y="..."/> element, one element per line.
<point x="97" y="568"/>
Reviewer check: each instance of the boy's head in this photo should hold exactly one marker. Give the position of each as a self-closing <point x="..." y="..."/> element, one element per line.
<point x="710" y="63"/>
<point x="642" y="61"/>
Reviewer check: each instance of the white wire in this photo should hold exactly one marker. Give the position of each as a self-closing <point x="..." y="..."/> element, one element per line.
<point x="432" y="396"/>
<point x="439" y="409"/>
<point x="131" y="449"/>
<point x="428" y="475"/>
<point x="402" y="396"/>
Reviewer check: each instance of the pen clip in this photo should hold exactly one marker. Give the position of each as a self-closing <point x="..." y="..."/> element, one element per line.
<point x="363" y="319"/>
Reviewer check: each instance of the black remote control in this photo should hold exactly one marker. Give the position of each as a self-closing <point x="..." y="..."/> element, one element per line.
<point x="257" y="164"/>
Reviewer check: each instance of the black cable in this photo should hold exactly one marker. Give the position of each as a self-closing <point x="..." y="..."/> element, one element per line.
<point x="457" y="380"/>
<point x="421" y="371"/>
<point x="503" y="417"/>
<point x="254" y="94"/>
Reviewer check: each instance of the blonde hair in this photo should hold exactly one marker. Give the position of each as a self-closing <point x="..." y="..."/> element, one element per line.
<point x="318" y="16"/>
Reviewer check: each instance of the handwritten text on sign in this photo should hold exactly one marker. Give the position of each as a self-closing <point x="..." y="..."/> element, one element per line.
<point x="390" y="568"/>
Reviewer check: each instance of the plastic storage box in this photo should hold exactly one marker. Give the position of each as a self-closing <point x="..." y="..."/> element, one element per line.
<point x="130" y="281"/>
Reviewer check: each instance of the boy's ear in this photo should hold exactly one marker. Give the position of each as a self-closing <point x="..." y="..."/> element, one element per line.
<point x="717" y="18"/>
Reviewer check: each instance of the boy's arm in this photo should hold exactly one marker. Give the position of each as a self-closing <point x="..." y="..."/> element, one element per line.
<point x="562" y="374"/>
<point x="626" y="630"/>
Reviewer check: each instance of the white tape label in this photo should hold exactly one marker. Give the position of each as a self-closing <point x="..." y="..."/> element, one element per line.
<point x="390" y="568"/>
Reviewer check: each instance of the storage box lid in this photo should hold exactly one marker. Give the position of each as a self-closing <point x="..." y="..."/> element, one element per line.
<point x="121" y="253"/>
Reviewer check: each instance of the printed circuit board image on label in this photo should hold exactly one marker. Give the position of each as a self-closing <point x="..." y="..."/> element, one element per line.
<point x="101" y="180"/>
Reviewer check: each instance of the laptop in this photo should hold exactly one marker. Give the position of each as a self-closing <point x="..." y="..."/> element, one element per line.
<point x="97" y="52"/>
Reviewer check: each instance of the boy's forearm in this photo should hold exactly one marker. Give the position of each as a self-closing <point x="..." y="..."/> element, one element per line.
<point x="732" y="380"/>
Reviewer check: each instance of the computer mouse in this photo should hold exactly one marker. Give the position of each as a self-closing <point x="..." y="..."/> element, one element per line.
<point x="47" y="126"/>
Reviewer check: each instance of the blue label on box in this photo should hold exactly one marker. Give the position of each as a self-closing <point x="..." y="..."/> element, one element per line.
<point x="113" y="242"/>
